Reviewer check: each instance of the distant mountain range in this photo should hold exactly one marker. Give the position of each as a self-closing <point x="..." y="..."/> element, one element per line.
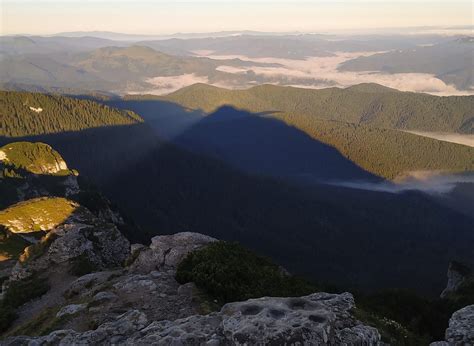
<point x="452" y="62"/>
<point x="114" y="63"/>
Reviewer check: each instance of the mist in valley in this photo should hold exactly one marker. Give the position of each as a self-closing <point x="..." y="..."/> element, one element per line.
<point x="312" y="72"/>
<point x="430" y="182"/>
<point x="464" y="139"/>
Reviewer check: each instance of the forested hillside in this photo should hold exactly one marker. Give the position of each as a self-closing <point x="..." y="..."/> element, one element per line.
<point x="369" y="104"/>
<point x="167" y="190"/>
<point x="24" y="114"/>
<point x="389" y="153"/>
<point x="382" y="151"/>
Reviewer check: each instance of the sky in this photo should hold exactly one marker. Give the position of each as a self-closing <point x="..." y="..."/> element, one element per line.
<point x="166" y="17"/>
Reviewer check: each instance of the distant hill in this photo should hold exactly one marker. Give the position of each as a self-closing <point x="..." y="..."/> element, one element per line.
<point x="46" y="71"/>
<point x="136" y="63"/>
<point x="367" y="104"/>
<point x="361" y="122"/>
<point x="112" y="68"/>
<point x="25" y="114"/>
<point x="41" y="45"/>
<point x="449" y="61"/>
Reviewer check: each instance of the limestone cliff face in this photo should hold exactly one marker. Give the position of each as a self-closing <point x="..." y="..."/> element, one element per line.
<point x="142" y="303"/>
<point x="457" y="275"/>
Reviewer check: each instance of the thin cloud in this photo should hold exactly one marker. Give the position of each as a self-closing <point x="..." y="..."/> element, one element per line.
<point x="166" y="85"/>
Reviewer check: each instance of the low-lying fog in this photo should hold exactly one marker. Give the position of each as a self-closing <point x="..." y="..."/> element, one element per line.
<point x="448" y="137"/>
<point x="425" y="181"/>
<point x="313" y="72"/>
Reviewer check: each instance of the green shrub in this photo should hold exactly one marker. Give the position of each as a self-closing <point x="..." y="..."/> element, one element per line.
<point x="421" y="316"/>
<point x="18" y="293"/>
<point x="22" y="291"/>
<point x="228" y="272"/>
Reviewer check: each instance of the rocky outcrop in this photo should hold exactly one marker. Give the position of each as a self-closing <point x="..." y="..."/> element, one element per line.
<point x="320" y="318"/>
<point x="143" y="304"/>
<point x="36" y="158"/>
<point x="166" y="251"/>
<point x="82" y="239"/>
<point x="458" y="273"/>
<point x="317" y="319"/>
<point x="461" y="328"/>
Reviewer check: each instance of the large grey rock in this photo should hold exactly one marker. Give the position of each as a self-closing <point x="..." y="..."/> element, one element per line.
<point x="461" y="327"/>
<point x="84" y="285"/>
<point x="317" y="319"/>
<point x="320" y="318"/>
<point x="166" y="251"/>
<point x="99" y="243"/>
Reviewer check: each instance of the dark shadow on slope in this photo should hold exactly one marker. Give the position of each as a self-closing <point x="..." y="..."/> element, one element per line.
<point x="364" y="239"/>
<point x="354" y="238"/>
<point x="167" y="119"/>
<point x="262" y="145"/>
<point x="253" y="142"/>
<point x="101" y="153"/>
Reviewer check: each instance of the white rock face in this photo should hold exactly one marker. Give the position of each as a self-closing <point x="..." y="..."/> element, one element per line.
<point x="37" y="110"/>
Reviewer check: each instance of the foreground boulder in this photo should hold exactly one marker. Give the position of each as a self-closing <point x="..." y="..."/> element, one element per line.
<point x="461" y="327"/>
<point x="143" y="304"/>
<point x="317" y="319"/>
<point x="166" y="251"/>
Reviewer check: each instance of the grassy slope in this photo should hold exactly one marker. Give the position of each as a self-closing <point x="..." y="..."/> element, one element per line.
<point x="59" y="114"/>
<point x="358" y="121"/>
<point x="38" y="214"/>
<point x="35" y="158"/>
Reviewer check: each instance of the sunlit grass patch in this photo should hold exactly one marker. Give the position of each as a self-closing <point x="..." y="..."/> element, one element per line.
<point x="39" y="214"/>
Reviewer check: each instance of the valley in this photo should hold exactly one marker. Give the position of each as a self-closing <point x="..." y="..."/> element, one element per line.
<point x="232" y="187"/>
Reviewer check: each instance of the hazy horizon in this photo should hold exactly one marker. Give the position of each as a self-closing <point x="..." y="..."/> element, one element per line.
<point x="166" y="17"/>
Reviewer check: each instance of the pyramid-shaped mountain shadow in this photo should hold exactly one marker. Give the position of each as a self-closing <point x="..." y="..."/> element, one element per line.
<point x="259" y="144"/>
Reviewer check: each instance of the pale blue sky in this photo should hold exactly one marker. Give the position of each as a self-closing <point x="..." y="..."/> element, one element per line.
<point x="164" y="17"/>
